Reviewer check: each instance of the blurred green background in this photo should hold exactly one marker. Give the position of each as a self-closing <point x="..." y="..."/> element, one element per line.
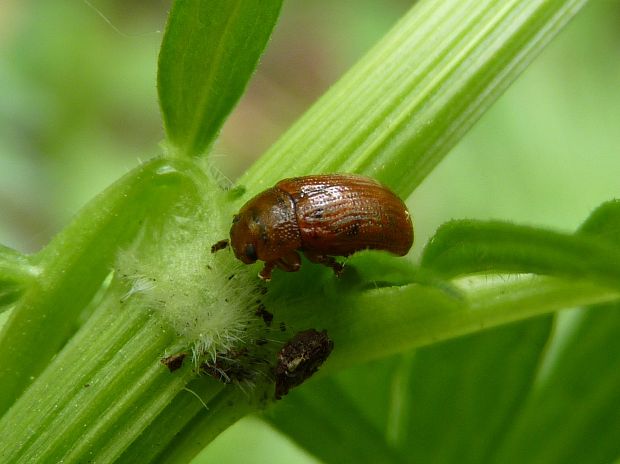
<point x="78" y="109"/>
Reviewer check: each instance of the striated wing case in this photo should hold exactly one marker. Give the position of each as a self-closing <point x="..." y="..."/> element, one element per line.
<point x="341" y="214"/>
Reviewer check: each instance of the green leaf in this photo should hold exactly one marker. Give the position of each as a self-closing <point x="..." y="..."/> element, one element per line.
<point x="403" y="106"/>
<point x="322" y="419"/>
<point x="209" y="52"/>
<point x="578" y="401"/>
<point x="604" y="223"/>
<point x="574" y="416"/>
<point x="570" y="415"/>
<point x="16" y="274"/>
<point x="466" y="247"/>
<point x="463" y="394"/>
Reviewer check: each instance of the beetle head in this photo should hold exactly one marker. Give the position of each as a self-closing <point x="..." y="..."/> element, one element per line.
<point x="245" y="235"/>
<point x="265" y="228"/>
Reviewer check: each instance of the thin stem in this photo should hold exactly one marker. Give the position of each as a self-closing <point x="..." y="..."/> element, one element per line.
<point x="108" y="377"/>
<point x="414" y="315"/>
<point x="399" y="111"/>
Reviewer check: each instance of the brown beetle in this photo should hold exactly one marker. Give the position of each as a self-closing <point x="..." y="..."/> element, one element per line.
<point x="322" y="216"/>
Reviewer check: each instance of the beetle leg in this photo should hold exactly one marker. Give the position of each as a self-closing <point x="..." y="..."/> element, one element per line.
<point x="290" y="262"/>
<point x="220" y="245"/>
<point x="265" y="273"/>
<point x="325" y="260"/>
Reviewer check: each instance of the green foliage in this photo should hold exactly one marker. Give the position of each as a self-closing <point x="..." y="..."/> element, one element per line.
<point x="72" y="268"/>
<point x="208" y="54"/>
<point x="577" y="401"/>
<point x="466" y="247"/>
<point x="398" y="111"/>
<point x="323" y="410"/>
<point x="464" y="394"/>
<point x="583" y="380"/>
<point x="132" y="279"/>
<point x="16" y="273"/>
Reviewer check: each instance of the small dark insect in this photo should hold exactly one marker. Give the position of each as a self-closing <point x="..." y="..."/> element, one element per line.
<point x="262" y="312"/>
<point x="228" y="367"/>
<point x="299" y="358"/>
<point x="174" y="362"/>
<point x="226" y="372"/>
<point x="322" y="216"/>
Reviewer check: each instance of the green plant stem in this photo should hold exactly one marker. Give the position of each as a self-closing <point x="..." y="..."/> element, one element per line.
<point x="15" y="266"/>
<point x="224" y="410"/>
<point x="394" y="116"/>
<point x="409" y="317"/>
<point x="162" y="434"/>
<point x="74" y="265"/>
<point x="108" y="378"/>
<point x="323" y="410"/>
<point x="414" y="315"/>
<point x="398" y="112"/>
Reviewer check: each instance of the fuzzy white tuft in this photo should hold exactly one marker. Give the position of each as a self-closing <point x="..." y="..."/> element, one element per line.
<point x="208" y="299"/>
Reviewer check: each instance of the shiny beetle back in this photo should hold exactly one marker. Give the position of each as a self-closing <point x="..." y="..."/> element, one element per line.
<point x="342" y="214"/>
